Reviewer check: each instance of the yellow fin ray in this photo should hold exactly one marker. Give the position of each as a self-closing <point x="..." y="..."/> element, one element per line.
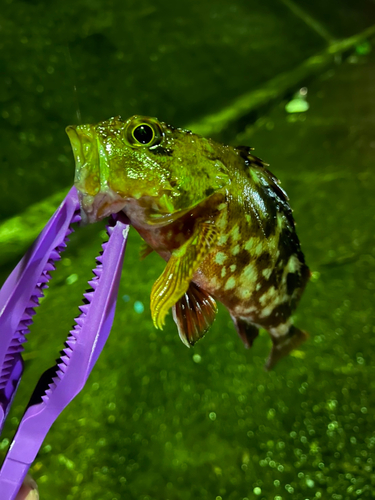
<point x="175" y="279"/>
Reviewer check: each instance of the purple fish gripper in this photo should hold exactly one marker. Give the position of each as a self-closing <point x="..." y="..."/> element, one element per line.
<point x="19" y="296"/>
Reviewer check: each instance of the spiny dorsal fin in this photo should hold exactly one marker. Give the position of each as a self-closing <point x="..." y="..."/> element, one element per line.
<point x="266" y="184"/>
<point x="193" y="314"/>
<point x="246" y="153"/>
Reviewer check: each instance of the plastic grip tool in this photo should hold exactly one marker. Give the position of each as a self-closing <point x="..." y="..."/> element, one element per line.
<point x="19" y="297"/>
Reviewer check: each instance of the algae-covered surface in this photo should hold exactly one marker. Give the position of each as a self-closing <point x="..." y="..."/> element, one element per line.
<point x="157" y="420"/>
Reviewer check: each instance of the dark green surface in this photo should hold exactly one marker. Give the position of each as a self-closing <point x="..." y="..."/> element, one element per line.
<point x="173" y="60"/>
<point x="157" y="420"/>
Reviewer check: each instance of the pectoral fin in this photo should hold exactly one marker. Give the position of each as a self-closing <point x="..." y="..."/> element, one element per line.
<point x="193" y="314"/>
<point x="175" y="279"/>
<point x="145" y="250"/>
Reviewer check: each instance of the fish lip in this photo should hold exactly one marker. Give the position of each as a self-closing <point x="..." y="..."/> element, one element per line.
<point x="100" y="206"/>
<point x="76" y="144"/>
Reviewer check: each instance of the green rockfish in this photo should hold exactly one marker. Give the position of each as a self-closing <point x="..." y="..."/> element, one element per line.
<point x="216" y="215"/>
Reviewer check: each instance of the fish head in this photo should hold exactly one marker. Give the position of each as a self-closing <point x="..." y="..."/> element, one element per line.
<point x="148" y="169"/>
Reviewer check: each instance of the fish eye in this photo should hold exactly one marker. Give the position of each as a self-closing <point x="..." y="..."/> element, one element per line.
<point x="143" y="134"/>
<point x="142" y="131"/>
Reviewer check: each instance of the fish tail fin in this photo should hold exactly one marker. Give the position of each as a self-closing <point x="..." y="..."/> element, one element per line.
<point x="283" y="344"/>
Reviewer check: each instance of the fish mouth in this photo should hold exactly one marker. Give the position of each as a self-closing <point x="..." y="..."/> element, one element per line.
<point x="100" y="206"/>
<point x="96" y="198"/>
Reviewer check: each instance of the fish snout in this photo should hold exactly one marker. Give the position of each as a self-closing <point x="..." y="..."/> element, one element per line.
<point x="86" y="155"/>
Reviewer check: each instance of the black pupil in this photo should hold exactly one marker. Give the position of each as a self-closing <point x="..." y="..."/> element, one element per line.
<point x="143" y="134"/>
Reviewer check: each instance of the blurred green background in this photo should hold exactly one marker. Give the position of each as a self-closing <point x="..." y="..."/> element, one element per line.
<point x="157" y="420"/>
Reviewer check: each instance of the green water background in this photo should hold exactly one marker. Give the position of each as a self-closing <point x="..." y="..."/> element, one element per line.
<point x="157" y="420"/>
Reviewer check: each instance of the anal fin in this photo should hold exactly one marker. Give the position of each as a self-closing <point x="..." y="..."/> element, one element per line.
<point x="193" y="314"/>
<point x="247" y="331"/>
